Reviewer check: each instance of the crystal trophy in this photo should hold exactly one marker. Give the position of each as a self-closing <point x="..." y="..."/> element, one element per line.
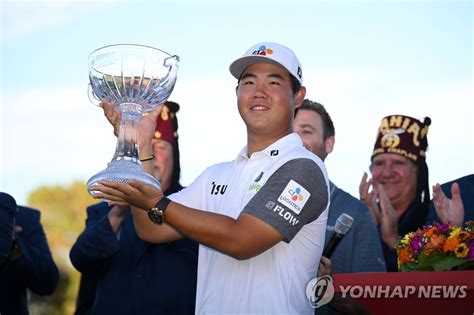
<point x="138" y="79"/>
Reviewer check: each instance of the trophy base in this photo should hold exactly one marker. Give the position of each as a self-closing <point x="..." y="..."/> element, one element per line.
<point x="121" y="171"/>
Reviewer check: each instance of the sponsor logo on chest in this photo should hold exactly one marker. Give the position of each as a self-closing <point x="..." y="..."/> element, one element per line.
<point x="218" y="189"/>
<point x="255" y="186"/>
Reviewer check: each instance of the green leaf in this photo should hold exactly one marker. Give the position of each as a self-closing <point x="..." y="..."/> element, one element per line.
<point x="425" y="261"/>
<point x="448" y="263"/>
<point x="468" y="265"/>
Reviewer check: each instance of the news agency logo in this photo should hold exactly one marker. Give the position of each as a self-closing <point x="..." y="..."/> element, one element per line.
<point x="320" y="291"/>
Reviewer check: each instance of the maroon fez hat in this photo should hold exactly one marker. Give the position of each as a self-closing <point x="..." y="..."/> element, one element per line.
<point x="167" y="124"/>
<point x="402" y="135"/>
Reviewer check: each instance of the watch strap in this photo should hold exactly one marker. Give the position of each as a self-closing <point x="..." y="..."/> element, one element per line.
<point x="163" y="204"/>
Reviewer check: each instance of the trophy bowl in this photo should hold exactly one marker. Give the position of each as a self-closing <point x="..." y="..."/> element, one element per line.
<point x="138" y="79"/>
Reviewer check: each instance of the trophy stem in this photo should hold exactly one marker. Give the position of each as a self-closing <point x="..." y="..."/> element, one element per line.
<point x="125" y="164"/>
<point x="127" y="142"/>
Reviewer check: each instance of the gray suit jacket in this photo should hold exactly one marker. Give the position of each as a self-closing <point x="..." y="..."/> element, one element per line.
<point x="360" y="249"/>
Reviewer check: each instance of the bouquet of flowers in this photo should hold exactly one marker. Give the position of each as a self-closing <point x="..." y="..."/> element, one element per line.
<point x="437" y="247"/>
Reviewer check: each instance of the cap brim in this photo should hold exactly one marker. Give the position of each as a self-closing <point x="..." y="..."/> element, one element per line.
<point x="238" y="66"/>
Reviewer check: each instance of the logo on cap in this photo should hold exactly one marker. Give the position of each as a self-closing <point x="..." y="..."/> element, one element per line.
<point x="262" y="51"/>
<point x="391" y="139"/>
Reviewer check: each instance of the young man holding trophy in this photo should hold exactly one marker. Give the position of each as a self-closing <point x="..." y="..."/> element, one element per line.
<point x="261" y="218"/>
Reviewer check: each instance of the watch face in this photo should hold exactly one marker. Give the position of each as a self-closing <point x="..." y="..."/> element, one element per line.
<point x="155" y="215"/>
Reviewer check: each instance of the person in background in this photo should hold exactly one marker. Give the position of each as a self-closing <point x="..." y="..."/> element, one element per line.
<point x="398" y="193"/>
<point x="29" y="265"/>
<point x="122" y="274"/>
<point x="7" y="215"/>
<point x="260" y="219"/>
<point x="360" y="249"/>
<point x="453" y="202"/>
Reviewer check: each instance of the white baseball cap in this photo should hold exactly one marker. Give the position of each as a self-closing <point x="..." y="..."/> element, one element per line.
<point x="269" y="53"/>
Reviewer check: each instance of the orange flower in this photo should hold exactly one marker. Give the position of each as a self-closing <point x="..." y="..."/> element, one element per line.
<point x="435" y="243"/>
<point x="404" y="255"/>
<point x="431" y="231"/>
<point x="451" y="244"/>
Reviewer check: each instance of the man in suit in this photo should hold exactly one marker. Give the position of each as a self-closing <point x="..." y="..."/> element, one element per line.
<point x="29" y="265"/>
<point x="360" y="250"/>
<point x="132" y="276"/>
<point x="7" y="215"/>
<point x="398" y="192"/>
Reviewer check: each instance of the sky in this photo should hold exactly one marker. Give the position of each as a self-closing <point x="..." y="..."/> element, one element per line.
<point x="363" y="60"/>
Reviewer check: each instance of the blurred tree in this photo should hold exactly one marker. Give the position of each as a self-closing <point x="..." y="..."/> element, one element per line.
<point x="63" y="214"/>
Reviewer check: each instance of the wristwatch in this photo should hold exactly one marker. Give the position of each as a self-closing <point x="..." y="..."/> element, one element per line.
<point x="157" y="213"/>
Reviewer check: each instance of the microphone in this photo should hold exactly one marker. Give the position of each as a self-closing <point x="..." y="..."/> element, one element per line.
<point x="342" y="226"/>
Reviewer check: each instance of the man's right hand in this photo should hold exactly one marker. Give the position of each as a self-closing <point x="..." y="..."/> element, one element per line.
<point x="369" y="198"/>
<point x="388" y="218"/>
<point x="146" y="127"/>
<point x="133" y="193"/>
<point x="114" y="117"/>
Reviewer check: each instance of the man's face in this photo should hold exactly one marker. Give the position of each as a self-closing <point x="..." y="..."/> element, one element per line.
<point x="397" y="174"/>
<point x="309" y="126"/>
<point x="266" y="101"/>
<point x="163" y="162"/>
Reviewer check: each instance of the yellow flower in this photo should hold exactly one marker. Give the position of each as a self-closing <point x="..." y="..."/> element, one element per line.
<point x="461" y="250"/>
<point x="406" y="239"/>
<point x="455" y="231"/>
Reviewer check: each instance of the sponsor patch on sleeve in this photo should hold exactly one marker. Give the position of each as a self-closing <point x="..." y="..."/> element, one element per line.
<point x="294" y="196"/>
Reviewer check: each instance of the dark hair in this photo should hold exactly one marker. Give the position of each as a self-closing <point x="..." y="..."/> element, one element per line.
<point x="328" y="125"/>
<point x="295" y="84"/>
<point x="176" y="174"/>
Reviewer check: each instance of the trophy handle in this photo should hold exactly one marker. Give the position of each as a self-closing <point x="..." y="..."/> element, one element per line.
<point x="92" y="96"/>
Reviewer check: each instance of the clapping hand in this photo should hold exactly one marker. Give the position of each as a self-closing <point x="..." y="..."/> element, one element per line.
<point x="387" y="217"/>
<point x="449" y="210"/>
<point x="381" y="209"/>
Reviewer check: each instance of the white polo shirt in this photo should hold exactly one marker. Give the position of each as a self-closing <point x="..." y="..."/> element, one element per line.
<point x="284" y="185"/>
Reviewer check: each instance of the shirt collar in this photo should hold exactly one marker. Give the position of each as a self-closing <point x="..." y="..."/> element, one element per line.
<point x="274" y="150"/>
